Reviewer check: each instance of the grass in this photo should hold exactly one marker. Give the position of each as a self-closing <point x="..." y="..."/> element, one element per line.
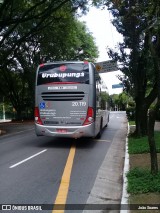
<point x="144" y="188"/>
<point x="131" y="122"/>
<point x="142" y="181"/>
<point x="141" y="145"/>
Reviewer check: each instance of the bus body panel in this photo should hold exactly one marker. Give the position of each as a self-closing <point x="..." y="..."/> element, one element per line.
<point x="66" y="131"/>
<point x="63" y="106"/>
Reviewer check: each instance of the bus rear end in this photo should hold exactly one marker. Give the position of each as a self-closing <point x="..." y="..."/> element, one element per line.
<point x="64" y="100"/>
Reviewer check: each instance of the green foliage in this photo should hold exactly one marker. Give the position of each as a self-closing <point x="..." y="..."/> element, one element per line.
<point x="141" y="145"/>
<point x="130" y="112"/>
<point x="104" y="100"/>
<point x="138" y="54"/>
<point x="38" y="31"/>
<point x="130" y="20"/>
<point x="120" y="100"/>
<point x="131" y="122"/>
<point x="123" y="98"/>
<point x="142" y="181"/>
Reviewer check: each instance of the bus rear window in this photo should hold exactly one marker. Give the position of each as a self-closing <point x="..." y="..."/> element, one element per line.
<point x="63" y="73"/>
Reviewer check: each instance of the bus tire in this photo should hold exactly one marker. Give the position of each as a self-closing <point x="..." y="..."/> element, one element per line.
<point x="107" y="122"/>
<point x="100" y="131"/>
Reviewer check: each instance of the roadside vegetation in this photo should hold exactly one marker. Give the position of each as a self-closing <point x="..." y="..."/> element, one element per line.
<point x="143" y="186"/>
<point x="132" y="123"/>
<point x="34" y="32"/>
<point x="140" y="145"/>
<point x="139" y="59"/>
<point x="141" y="181"/>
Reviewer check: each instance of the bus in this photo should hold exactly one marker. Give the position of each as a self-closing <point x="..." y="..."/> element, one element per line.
<point x="68" y="100"/>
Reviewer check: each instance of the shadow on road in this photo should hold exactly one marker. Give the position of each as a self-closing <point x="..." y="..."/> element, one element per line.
<point x="82" y="143"/>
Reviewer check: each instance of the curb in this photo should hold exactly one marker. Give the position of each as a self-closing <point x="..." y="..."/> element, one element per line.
<point x="2" y="132"/>
<point x="125" y="195"/>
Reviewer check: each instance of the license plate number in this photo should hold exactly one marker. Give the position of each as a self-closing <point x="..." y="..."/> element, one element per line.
<point x="61" y="130"/>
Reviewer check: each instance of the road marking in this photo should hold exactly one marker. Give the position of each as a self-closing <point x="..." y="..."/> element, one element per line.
<point x="17" y="164"/>
<point x="102" y="140"/>
<point x="65" y="180"/>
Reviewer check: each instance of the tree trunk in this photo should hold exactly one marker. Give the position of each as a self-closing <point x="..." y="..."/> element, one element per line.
<point x="142" y="110"/>
<point x="151" y="140"/>
<point x="141" y="119"/>
<point x="137" y="119"/>
<point x="19" y="114"/>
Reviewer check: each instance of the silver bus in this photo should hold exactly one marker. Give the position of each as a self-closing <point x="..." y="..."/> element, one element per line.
<point x="68" y="100"/>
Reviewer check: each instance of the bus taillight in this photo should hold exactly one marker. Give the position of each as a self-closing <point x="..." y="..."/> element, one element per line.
<point x="41" y="65"/>
<point x="90" y="116"/>
<point x="37" y="116"/>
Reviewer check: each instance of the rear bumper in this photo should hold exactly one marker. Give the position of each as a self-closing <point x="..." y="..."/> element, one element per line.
<point x="70" y="131"/>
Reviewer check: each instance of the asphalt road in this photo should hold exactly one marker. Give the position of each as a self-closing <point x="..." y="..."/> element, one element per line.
<point x="31" y="167"/>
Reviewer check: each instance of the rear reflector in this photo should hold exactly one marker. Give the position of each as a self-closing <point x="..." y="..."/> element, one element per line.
<point x="89" y="117"/>
<point x="37" y="116"/>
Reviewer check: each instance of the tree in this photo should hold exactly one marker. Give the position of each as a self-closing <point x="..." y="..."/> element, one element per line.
<point x="60" y="40"/>
<point x="144" y="62"/>
<point x="104" y="97"/>
<point x="153" y="32"/>
<point x="123" y="99"/>
<point x="115" y="101"/>
<point x="120" y="101"/>
<point x="134" y="56"/>
<point x="74" y="42"/>
<point x="138" y="22"/>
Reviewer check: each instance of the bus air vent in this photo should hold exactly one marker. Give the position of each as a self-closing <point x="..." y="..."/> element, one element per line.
<point x="62" y="96"/>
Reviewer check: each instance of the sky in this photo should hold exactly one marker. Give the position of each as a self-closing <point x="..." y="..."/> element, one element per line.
<point x="99" y="24"/>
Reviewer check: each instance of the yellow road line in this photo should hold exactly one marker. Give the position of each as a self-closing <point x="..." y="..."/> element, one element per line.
<point x="64" y="185"/>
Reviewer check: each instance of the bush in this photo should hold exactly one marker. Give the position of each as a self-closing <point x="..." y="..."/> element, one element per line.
<point x="141" y="145"/>
<point x="142" y="181"/>
<point x="130" y="111"/>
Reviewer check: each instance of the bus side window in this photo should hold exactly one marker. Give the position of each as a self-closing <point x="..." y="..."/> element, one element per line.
<point x="98" y="91"/>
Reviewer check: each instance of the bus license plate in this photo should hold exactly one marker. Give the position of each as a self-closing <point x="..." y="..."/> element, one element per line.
<point x="61" y="130"/>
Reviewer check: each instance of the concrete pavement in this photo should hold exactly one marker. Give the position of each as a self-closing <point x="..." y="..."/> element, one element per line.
<point x="109" y="182"/>
<point x="108" y="186"/>
<point x="7" y="127"/>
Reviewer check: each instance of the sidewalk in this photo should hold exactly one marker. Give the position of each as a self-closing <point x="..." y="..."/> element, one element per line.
<point x="7" y="127"/>
<point x="107" y="188"/>
<point x="156" y="127"/>
<point x="3" y="121"/>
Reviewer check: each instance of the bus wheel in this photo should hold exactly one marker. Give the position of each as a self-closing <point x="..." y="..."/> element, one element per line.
<point x="100" y="131"/>
<point x="107" y="122"/>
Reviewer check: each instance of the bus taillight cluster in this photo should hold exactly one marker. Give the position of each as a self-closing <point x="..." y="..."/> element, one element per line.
<point x="89" y="117"/>
<point x="37" y="116"/>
